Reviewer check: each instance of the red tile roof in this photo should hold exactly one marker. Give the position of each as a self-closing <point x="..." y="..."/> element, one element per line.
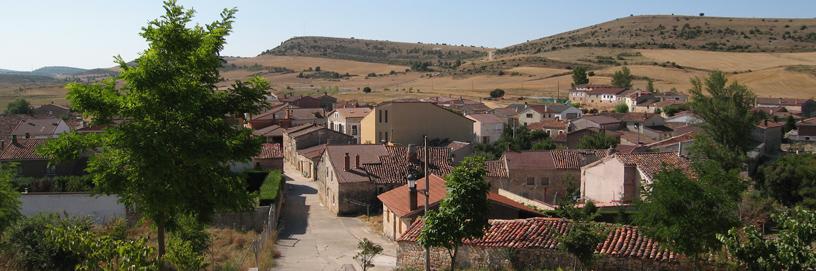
<point x="544" y="233"/>
<point x="548" y="124"/>
<point x="37" y="127"/>
<point x="313" y="151"/>
<point x="23" y="149"/>
<point x="8" y="122"/>
<point x="549" y="108"/>
<point x="601" y="119"/>
<point x="485" y="118"/>
<point x="397" y="199"/>
<point x="269" y="131"/>
<point x="393" y="167"/>
<point x="270" y="151"/>
<point x="368" y="153"/>
<point x="353" y="112"/>
<point x="652" y="163"/>
<point x="495" y="168"/>
<point x="551" y="159"/>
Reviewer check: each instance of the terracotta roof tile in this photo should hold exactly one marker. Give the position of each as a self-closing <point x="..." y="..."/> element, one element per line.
<point x="485" y="118"/>
<point x="23" y="149"/>
<point x="313" y="151"/>
<point x="395" y="166"/>
<point x="551" y="159"/>
<point x="353" y="112"/>
<point x="368" y="153"/>
<point x="548" y="124"/>
<point x="270" y="151"/>
<point x="8" y="122"/>
<point x="544" y="233"/>
<point x="269" y="131"/>
<point x="495" y="168"/>
<point x="651" y="163"/>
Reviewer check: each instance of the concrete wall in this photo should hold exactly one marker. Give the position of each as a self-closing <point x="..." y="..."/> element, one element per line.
<point x="101" y="208"/>
<point x="394" y="226"/>
<point x="609" y="180"/>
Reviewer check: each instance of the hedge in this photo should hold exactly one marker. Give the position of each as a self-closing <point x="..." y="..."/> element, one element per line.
<point x="270" y="188"/>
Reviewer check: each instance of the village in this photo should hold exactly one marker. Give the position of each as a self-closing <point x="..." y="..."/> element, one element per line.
<point x="184" y="158"/>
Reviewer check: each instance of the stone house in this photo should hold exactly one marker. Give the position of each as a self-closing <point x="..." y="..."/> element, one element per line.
<point x="538" y="113"/>
<point x="509" y="113"/>
<point x="571" y="139"/>
<point x="680" y="144"/>
<point x="40" y="128"/>
<point x="308" y="159"/>
<point x="487" y="128"/>
<point x="543" y="176"/>
<point x="617" y="179"/>
<point x="769" y="135"/>
<point x="404" y="204"/>
<point x="324" y="101"/>
<point x="805" y="131"/>
<point x="551" y="127"/>
<point x="406" y="122"/>
<point x="270" y="157"/>
<point x="271" y="134"/>
<point x="347" y="186"/>
<point x="347" y="120"/>
<point x="272" y="116"/>
<point x="533" y="244"/>
<point x="309" y="135"/>
<point x="807" y="107"/>
<point x="51" y="111"/>
<point x="598" y="121"/>
<point x="597" y="96"/>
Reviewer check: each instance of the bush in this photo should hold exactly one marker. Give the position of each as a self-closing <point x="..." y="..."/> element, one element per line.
<point x="33" y="251"/>
<point x="18" y="106"/>
<point x="621" y="108"/>
<point x="270" y="188"/>
<point x="367" y="90"/>
<point x="497" y="93"/>
<point x="182" y="255"/>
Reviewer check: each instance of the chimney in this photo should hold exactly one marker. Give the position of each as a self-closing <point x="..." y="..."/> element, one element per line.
<point x="680" y="148"/>
<point x="412" y="154"/>
<point x="347" y="163"/>
<point x="412" y="197"/>
<point x="357" y="161"/>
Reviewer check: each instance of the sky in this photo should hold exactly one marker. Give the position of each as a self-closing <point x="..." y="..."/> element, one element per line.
<point x="88" y="33"/>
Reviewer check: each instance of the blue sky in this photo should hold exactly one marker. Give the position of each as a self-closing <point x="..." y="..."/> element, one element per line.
<point x="88" y="33"/>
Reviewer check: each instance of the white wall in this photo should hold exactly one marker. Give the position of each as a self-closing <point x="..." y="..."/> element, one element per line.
<point x="101" y="208"/>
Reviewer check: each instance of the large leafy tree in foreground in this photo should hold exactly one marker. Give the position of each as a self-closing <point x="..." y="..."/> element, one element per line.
<point x="171" y="130"/>
<point x="463" y="213"/>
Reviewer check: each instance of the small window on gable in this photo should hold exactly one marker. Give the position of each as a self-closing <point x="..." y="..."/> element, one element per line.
<point x="530" y="180"/>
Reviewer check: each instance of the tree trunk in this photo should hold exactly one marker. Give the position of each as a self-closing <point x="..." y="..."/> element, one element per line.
<point x="453" y="258"/>
<point x="160" y="238"/>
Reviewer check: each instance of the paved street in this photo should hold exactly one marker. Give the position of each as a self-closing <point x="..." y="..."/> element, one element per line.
<point x="311" y="238"/>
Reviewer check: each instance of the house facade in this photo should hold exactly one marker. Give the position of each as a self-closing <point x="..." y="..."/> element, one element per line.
<point x="617" y="179"/>
<point x="347" y="121"/>
<point x="597" y="96"/>
<point x="487" y="128"/>
<point x="309" y="135"/>
<point x="406" y="122"/>
<point x="538" y="113"/>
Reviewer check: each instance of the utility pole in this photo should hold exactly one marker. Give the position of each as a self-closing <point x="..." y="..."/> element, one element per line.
<point x="427" y="195"/>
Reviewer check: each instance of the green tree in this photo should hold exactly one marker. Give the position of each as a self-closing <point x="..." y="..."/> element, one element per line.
<point x="686" y="215"/>
<point x="726" y="112"/>
<point x="464" y="211"/>
<point x="791" y="180"/>
<point x="9" y="197"/>
<point x="581" y="241"/>
<point x="171" y="155"/>
<point x="579" y="76"/>
<point x="790" y="124"/>
<point x="621" y="108"/>
<point x="622" y="78"/>
<point x="32" y="250"/>
<point x="544" y="144"/>
<point x="367" y="250"/>
<point x="18" y="106"/>
<point x="599" y="140"/>
<point x="497" y="93"/>
<point x="650" y="85"/>
<point x="790" y="248"/>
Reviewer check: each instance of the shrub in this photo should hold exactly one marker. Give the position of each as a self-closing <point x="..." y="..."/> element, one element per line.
<point x="497" y="93"/>
<point x="33" y="251"/>
<point x="18" y="106"/>
<point x="367" y="90"/>
<point x="183" y="256"/>
<point x="270" y="188"/>
<point x="621" y="108"/>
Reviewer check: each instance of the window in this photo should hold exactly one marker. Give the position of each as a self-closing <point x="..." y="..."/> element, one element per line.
<point x="340" y="128"/>
<point x="331" y="125"/>
<point x="530" y="116"/>
<point x="530" y="180"/>
<point x="485" y="139"/>
<point x="386" y="116"/>
<point x="379" y="115"/>
<point x="386" y="136"/>
<point x="545" y="181"/>
<point x="354" y="130"/>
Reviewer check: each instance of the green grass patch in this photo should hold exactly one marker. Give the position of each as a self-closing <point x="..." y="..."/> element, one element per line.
<point x="270" y="187"/>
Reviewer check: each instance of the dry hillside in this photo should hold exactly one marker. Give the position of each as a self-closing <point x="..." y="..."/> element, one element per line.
<point x="375" y="50"/>
<point x="683" y="32"/>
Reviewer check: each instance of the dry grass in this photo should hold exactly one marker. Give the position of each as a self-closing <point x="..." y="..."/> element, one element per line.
<point x="374" y="222"/>
<point x="727" y="61"/>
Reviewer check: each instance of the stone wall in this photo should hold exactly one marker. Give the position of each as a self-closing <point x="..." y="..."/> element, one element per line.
<point x="100" y="208"/>
<point x="410" y="255"/>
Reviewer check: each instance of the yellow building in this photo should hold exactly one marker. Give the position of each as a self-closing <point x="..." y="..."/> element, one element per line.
<point x="406" y="122"/>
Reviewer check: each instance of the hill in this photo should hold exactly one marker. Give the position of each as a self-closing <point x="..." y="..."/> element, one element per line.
<point x="377" y="51"/>
<point x="682" y="32"/>
<point x="58" y="71"/>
